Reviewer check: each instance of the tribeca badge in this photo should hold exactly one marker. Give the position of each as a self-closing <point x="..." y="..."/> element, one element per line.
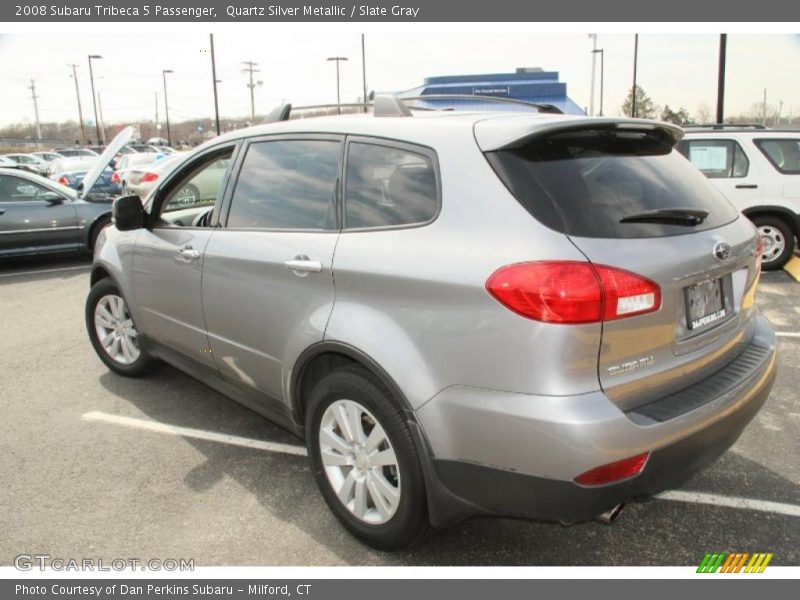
<point x="734" y="562"/>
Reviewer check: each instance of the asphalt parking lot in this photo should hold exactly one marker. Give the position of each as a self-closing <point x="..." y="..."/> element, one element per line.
<point x="90" y="467"/>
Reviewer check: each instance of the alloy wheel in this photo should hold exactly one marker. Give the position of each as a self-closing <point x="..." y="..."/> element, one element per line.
<point x="115" y="329"/>
<point x="360" y="462"/>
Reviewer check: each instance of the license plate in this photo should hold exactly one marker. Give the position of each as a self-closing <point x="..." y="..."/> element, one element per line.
<point x="705" y="304"/>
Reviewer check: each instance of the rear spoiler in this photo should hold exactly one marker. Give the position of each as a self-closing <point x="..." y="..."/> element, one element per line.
<point x="508" y="133"/>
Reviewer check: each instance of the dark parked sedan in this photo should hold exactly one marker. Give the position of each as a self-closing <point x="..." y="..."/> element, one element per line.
<point x="39" y="216"/>
<point x="105" y="183"/>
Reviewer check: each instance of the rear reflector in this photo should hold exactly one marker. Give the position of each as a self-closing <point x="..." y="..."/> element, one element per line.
<point x="759" y="251"/>
<point x="573" y="292"/>
<point x="615" y="471"/>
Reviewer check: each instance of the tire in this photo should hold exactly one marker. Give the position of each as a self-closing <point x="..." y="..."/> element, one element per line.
<point x="384" y="527"/>
<point x="124" y="360"/>
<point x="779" y="242"/>
<point x="98" y="226"/>
<point x="187" y="196"/>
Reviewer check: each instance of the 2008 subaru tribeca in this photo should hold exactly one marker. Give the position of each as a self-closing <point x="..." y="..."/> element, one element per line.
<point x="462" y="313"/>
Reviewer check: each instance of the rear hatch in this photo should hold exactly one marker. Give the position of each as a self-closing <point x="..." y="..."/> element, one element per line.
<point x="628" y="201"/>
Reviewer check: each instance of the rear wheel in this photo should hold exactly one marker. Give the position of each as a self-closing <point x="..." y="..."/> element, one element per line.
<point x="113" y="333"/>
<point x="778" y="240"/>
<point x="365" y="461"/>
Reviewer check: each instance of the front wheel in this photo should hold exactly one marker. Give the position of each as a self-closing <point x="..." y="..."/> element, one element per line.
<point x="113" y="333"/>
<point x="365" y="460"/>
<point x="778" y="240"/>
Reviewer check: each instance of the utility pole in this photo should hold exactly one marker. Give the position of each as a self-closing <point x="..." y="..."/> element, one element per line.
<point x="764" y="118"/>
<point x="94" y="98"/>
<point x="251" y="68"/>
<point x="635" y="63"/>
<point x="102" y="120"/>
<point x="364" y="71"/>
<point x="214" y="78"/>
<point x="166" y="103"/>
<point x="594" y="66"/>
<point x="158" y="133"/>
<point x="78" y="95"/>
<point x="32" y="88"/>
<point x="723" y="48"/>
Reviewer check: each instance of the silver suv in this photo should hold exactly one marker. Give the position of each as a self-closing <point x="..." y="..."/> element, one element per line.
<point x="461" y="313"/>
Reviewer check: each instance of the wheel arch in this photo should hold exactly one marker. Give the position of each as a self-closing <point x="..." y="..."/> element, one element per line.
<point x="106" y="216"/>
<point x="325" y="357"/>
<point x="791" y="218"/>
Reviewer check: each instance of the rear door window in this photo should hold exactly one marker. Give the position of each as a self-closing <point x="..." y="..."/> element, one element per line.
<point x="389" y="186"/>
<point x="717" y="159"/>
<point x="287" y="184"/>
<point x="586" y="183"/>
<point x="784" y="154"/>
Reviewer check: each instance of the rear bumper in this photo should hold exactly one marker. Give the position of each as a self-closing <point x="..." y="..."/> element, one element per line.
<point x="516" y="455"/>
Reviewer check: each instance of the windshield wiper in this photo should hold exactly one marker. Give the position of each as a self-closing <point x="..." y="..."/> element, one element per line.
<point x="669" y="216"/>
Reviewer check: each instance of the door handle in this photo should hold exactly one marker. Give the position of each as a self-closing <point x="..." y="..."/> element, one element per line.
<point x="746" y="186"/>
<point x="2" y="211"/>
<point x="302" y="265"/>
<point x="187" y="254"/>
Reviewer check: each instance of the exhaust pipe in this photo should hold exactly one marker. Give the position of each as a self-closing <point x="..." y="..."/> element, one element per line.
<point x="610" y="516"/>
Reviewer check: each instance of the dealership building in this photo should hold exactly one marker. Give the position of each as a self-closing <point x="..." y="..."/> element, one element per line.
<point x="528" y="84"/>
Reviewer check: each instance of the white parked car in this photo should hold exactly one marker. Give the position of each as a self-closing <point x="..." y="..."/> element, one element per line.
<point x="129" y="163"/>
<point x="758" y="171"/>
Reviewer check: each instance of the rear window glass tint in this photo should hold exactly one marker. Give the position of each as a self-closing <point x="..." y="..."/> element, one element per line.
<point x="784" y="154"/>
<point x="584" y="183"/>
<point x="388" y="187"/>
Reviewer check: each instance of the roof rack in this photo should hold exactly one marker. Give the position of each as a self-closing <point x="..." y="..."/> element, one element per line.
<point x="389" y="105"/>
<point x="724" y="126"/>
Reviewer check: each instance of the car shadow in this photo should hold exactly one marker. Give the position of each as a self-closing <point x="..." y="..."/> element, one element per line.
<point x="654" y="532"/>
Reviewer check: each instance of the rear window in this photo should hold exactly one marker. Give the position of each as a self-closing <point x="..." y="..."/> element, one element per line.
<point x="584" y="183"/>
<point x="784" y="154"/>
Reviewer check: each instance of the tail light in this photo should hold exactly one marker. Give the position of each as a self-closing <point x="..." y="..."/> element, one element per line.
<point x="147" y="177"/>
<point x="63" y="181"/>
<point x="573" y="292"/>
<point x="115" y="177"/>
<point x="615" y="471"/>
<point x="759" y="251"/>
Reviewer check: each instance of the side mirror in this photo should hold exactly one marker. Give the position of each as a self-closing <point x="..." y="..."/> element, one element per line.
<point x="52" y="197"/>
<point x="128" y="213"/>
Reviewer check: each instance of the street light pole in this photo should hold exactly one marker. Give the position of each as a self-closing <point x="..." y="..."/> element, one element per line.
<point x="635" y="63"/>
<point x="723" y="47"/>
<point x="364" y="71"/>
<point x="214" y="77"/>
<point x="94" y="98"/>
<point x="602" y="75"/>
<point x="337" y="60"/>
<point x="166" y="104"/>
